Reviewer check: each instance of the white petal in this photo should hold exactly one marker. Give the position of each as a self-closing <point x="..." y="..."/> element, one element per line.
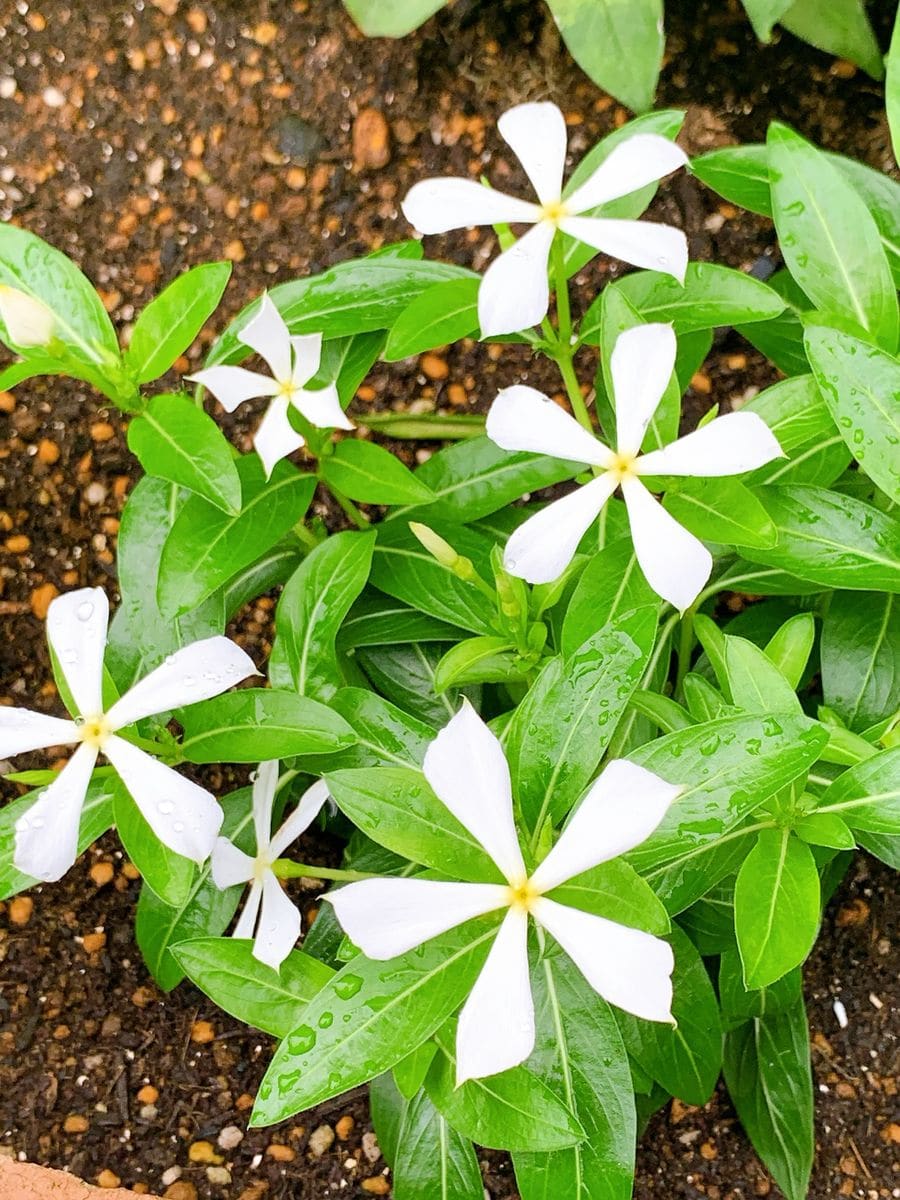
<point x="542" y="547"/>
<point x="628" y="967"/>
<point x="641" y="243"/>
<point x="439" y="205"/>
<point x="468" y="771"/>
<point x="307" y="349"/>
<point x="279" y="924"/>
<point x="263" y="801"/>
<point x="322" y="408"/>
<point x="246" y="924"/>
<point x="301" y="818"/>
<point x="522" y="418"/>
<point x="268" y="335"/>
<point x="514" y="292"/>
<point x="76" y="631"/>
<point x="275" y="436"/>
<point x="641" y="366"/>
<point x="22" y="730"/>
<point x="47" y="833"/>
<point x="675" y="563"/>
<point x="641" y="159"/>
<point x="496" y="1025"/>
<point x="536" y="133"/>
<point x="183" y="816"/>
<point x="196" y="672"/>
<point x="387" y="917"/>
<point x="229" y="865"/>
<point x="231" y="386"/>
<point x="620" y="811"/>
<point x="726" y="446"/>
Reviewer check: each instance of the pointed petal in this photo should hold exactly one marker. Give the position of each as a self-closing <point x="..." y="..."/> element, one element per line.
<point x="229" y="865"/>
<point x="641" y="366"/>
<point x="279" y="924"/>
<point x="307" y="349"/>
<point x="275" y="436"/>
<point x="231" y="386"/>
<point x="514" y="292"/>
<point x="496" y="1025"/>
<point x="728" y="445"/>
<point x="628" y="967"/>
<point x="22" y="730"/>
<point x="620" y="811"/>
<point x="76" y="631"/>
<point x="641" y="243"/>
<point x="183" y="816"/>
<point x="542" y="547"/>
<point x="675" y="563"/>
<point x="301" y="818"/>
<point x="196" y="672"/>
<point x="246" y="925"/>
<point x="641" y="159"/>
<point x="263" y="799"/>
<point x="387" y="917"/>
<point x="322" y="408"/>
<point x="468" y="771"/>
<point x="439" y="205"/>
<point x="268" y="335"/>
<point x="536" y="134"/>
<point x="522" y="418"/>
<point x="47" y="833"/>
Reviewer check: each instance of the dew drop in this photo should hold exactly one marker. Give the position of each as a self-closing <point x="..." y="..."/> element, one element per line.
<point x="188" y="680"/>
<point x="79" y="721"/>
<point x="85" y="610"/>
<point x="70" y="657"/>
<point x="326" y="1020"/>
<point x="178" y="827"/>
<point x="165" y="807"/>
<point x="347" y="987"/>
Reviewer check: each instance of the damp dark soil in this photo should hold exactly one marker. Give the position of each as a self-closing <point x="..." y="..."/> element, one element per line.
<point x="144" y="137"/>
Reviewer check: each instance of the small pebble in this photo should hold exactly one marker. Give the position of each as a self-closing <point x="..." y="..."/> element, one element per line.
<point x="230" y="1137"/>
<point x="75" y="1123"/>
<point x="376" y="1186"/>
<point x="170" y="1174"/>
<point x="280" y="1153"/>
<point x="203" y="1152"/>
<point x="93" y="942"/>
<point x="370" y="1147"/>
<point x="841" y="1013"/>
<point x="220" y="1176"/>
<point x="344" y="1127"/>
<point x="371" y="138"/>
<point x="182" y="1190"/>
<point x="108" y="1179"/>
<point x="18" y="543"/>
<point x="102" y="431"/>
<point x="95" y="493"/>
<point x="202" y="1032"/>
<point x="20" y="910"/>
<point x="54" y="98"/>
<point x="148" y="1112"/>
<point x="320" y="1141"/>
<point x="102" y="873"/>
<point x="40" y="599"/>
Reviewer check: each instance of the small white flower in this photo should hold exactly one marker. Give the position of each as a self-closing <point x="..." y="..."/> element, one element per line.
<point x="466" y="768"/>
<point x="514" y="292"/>
<point x="293" y="361"/>
<point x="28" y="321"/>
<point x="268" y="917"/>
<point x="183" y="816"/>
<point x="675" y="563"/>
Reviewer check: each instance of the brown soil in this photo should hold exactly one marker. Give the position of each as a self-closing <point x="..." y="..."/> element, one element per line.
<point x="143" y="138"/>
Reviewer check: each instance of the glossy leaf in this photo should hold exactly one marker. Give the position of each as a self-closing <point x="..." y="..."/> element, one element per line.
<point x="861" y="657"/>
<point x="867" y="796"/>
<point x="764" y="14"/>
<point x="378" y="620"/>
<point x="611" y="584"/>
<point x="171" y="322"/>
<point x="446" y="312"/>
<point x="255" y="724"/>
<point x="616" y="891"/>
<point x="721" y="510"/>
<point x="391" y="18"/>
<point x="384" y="734"/>
<point x="406" y="676"/>
<point x="755" y="683"/>
<point x="739" y="1005"/>
<point x="841" y="29"/>
<point x="364" y="471"/>
<point x="432" y="1161"/>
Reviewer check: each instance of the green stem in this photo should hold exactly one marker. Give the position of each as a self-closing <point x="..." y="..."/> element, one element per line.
<point x="685" y="646"/>
<point x="359" y="519"/>
<point x="286" y="868"/>
<point x="561" y="283"/>
<point x="573" y="391"/>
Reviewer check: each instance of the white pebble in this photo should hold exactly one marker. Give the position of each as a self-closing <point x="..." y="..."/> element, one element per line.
<point x="53" y="97"/>
<point x="874" y="1001"/>
<point x="170" y="1175"/>
<point x="7" y="87"/>
<point x="218" y="1175"/>
<point x="230" y="1137"/>
<point x="841" y="1013"/>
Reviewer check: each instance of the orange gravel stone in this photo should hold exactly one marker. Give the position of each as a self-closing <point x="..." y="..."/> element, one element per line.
<point x="102" y="873"/>
<point x="108" y="1179"/>
<point x="202" y="1032"/>
<point x="148" y="1094"/>
<point x="40" y="599"/>
<point x="47" y="452"/>
<point x="102" y="431"/>
<point x="371" y="138"/>
<point x="344" y="1127"/>
<point x="93" y="942"/>
<point x="280" y="1153"/>
<point x="434" y="367"/>
<point x="76" y="1124"/>
<point x="18" y="543"/>
<point x="376" y="1186"/>
<point x="20" y="910"/>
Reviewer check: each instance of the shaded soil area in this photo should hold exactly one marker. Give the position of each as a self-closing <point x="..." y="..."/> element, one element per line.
<point x="145" y="137"/>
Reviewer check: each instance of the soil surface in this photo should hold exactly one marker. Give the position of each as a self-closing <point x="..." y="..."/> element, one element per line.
<point x="146" y="137"/>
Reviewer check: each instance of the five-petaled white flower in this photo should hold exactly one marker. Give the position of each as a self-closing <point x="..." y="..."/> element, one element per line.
<point x="466" y="768"/>
<point x="183" y="816"/>
<point x="675" y="563"/>
<point x="293" y="361"/>
<point x="514" y="292"/>
<point x="268" y="917"/>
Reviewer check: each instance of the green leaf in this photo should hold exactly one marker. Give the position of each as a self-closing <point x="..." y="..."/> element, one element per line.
<point x="860" y="655"/>
<point x="366" y="1018"/>
<point x="397" y="809"/>
<point x="561" y="729"/>
<point x="378" y="620"/>
<point x="618" y="43"/>
<point x="830" y="539"/>
<point x="169" y="324"/>
<point x="764" y="14"/>
<point x="432" y="1161"/>
<point x="385" y="735"/>
<point x="206" y="547"/>
<point x="739" y="1005"/>
<point x="776" y="906"/>
<point x="825" y="829"/>
<point x="273" y="1001"/>
<point x="391" y="18"/>
<point x="611" y="584"/>
<point x="615" y="890"/>
<point x="406" y="675"/>
<point x="409" y="1074"/>
<point x="175" y="440"/>
<point x="829" y="239"/>
<point x="445" y="313"/>
<point x="168" y="874"/>
<point x="841" y="29"/>
<point x="721" y="510"/>
<point x="364" y="471"/>
<point x="346" y="361"/>
<point x="513" y="1110"/>
<point x="861" y="386"/>
<point x="254" y="724"/>
<point x="313" y="604"/>
<point x="755" y="683"/>
<point x="892" y="88"/>
<point x="767" y="1071"/>
<point x="867" y="796"/>
<point x="685" y="1059"/>
<point x="478" y="660"/>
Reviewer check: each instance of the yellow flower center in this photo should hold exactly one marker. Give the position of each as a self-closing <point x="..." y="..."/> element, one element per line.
<point x="622" y="467"/>
<point x="285" y="387"/>
<point x="554" y="211"/>
<point x="523" y="895"/>
<point x="95" y="730"/>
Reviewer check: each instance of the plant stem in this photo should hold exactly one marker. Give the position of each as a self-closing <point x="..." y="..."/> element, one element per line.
<point x="286" y="868"/>
<point x="573" y="391"/>
<point x="561" y="283"/>
<point x="359" y="519"/>
<point x="685" y="646"/>
<point x="563" y="351"/>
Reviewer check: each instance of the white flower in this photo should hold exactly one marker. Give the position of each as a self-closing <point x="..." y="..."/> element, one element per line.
<point x="675" y="563"/>
<point x="293" y="361"/>
<point x="514" y="293"/>
<point x="28" y="321"/>
<point x="268" y="917"/>
<point x="183" y="816"/>
<point x="466" y="768"/>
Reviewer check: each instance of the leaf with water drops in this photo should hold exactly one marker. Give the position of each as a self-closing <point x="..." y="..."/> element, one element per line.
<point x="254" y="724"/>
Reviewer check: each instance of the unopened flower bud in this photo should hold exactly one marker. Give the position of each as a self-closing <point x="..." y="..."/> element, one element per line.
<point x="435" y="545"/>
<point x="28" y="321"/>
